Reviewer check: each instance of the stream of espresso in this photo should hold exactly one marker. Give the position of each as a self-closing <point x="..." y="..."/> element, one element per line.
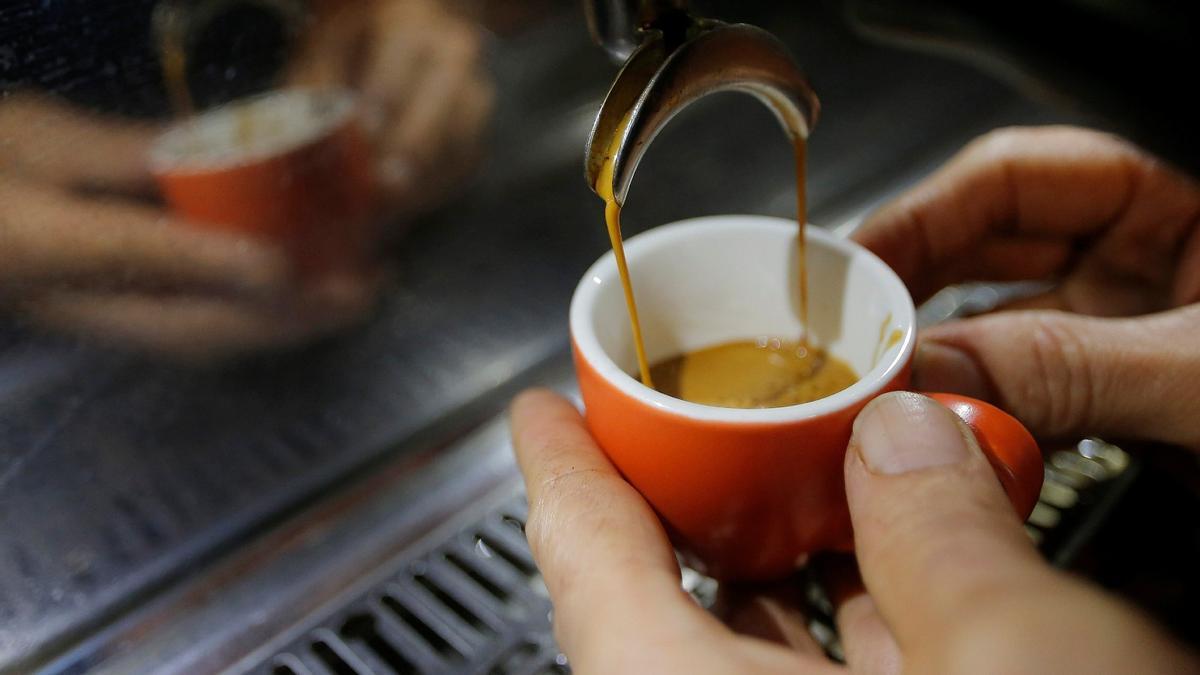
<point x="800" y="152"/>
<point x="765" y="372"/>
<point x="612" y="218"/>
<point x="175" y="74"/>
<point x="173" y="54"/>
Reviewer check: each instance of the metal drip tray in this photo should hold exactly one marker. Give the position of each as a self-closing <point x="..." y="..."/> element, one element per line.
<point x="473" y="604"/>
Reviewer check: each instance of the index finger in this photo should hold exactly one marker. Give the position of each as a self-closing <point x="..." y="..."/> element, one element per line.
<point x="608" y="565"/>
<point x="1009" y="206"/>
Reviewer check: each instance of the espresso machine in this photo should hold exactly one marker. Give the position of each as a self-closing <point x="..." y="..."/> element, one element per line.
<point x="352" y="506"/>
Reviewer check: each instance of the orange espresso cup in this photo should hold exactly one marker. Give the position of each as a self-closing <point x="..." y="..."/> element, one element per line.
<point x="749" y="494"/>
<point x="291" y="166"/>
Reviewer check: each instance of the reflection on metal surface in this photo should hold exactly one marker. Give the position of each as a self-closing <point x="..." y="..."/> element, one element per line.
<point x="134" y="446"/>
<point x="460" y="607"/>
<point x="272" y="588"/>
<point x="956" y="302"/>
<point x="618" y="26"/>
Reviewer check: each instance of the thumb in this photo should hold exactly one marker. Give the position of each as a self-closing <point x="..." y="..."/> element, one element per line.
<point x="1064" y="374"/>
<point x="951" y="571"/>
<point x="934" y="532"/>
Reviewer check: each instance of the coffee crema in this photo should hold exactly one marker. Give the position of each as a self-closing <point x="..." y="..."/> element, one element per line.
<point x="762" y="373"/>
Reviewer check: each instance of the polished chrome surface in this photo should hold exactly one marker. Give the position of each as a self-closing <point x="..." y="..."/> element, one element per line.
<point x="618" y="26"/>
<point x="613" y="25"/>
<point x="716" y="58"/>
<point x="257" y="600"/>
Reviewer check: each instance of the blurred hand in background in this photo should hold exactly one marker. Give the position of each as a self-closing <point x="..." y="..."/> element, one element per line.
<point x="87" y="248"/>
<point x="426" y="96"/>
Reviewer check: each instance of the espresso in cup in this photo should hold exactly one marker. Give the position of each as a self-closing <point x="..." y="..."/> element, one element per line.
<point x="767" y="372"/>
<point x="745" y="492"/>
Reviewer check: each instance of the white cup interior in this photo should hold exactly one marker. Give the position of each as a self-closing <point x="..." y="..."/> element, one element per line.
<point x="251" y="129"/>
<point x="706" y="281"/>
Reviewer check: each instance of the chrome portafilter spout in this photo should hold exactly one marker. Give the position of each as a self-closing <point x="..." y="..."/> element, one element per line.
<point x="679" y="59"/>
<point x="618" y="26"/>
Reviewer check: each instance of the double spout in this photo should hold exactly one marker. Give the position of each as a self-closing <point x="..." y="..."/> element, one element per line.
<point x="673" y="59"/>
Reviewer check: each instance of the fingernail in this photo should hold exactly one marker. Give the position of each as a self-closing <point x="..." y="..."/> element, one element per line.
<point x="941" y="367"/>
<point x="902" y="431"/>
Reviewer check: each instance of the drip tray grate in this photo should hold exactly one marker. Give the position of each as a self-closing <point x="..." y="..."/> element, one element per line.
<point x="473" y="604"/>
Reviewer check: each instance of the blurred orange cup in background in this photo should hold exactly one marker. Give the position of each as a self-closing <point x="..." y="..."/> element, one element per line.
<point x="291" y="166"/>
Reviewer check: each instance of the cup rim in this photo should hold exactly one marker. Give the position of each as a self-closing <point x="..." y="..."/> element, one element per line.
<point x="869" y="385"/>
<point x="165" y="158"/>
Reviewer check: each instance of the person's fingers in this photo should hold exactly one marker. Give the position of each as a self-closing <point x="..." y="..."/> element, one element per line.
<point x="611" y="573"/>
<point x="602" y="551"/>
<point x="405" y="40"/>
<point x="401" y="40"/>
<point x="867" y="644"/>
<point x="424" y="98"/>
<point x="200" y="329"/>
<point x="472" y="111"/>
<point x="933" y="530"/>
<point x="954" y="576"/>
<point x="332" y="51"/>
<point x="423" y="126"/>
<point x="412" y="189"/>
<point x="389" y="79"/>
<point x="1062" y="374"/>
<point x="1056" y="184"/>
<point x="52" y="236"/>
<point x="770" y="612"/>
<point x="50" y="141"/>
